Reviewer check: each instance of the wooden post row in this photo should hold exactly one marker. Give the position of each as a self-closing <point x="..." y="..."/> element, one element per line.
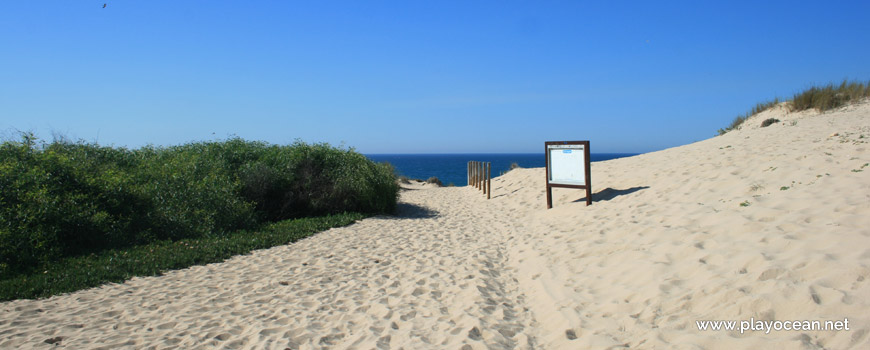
<point x="479" y="175"/>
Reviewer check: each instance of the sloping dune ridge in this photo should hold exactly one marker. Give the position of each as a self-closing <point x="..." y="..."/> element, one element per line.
<point x="759" y="224"/>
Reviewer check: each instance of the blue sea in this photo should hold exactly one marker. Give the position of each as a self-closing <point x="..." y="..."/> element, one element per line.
<point x="451" y="168"/>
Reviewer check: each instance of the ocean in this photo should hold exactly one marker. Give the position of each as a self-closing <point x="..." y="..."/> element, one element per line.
<point x="451" y="168"/>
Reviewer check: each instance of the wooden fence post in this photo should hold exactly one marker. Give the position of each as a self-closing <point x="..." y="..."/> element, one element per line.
<point x="483" y="182"/>
<point x="480" y="179"/>
<point x="474" y="171"/>
<point x="488" y="180"/>
<point x="474" y="174"/>
<point x="477" y="181"/>
<point x="471" y="180"/>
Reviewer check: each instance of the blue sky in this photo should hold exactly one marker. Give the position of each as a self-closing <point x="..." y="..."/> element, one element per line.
<point x="414" y="76"/>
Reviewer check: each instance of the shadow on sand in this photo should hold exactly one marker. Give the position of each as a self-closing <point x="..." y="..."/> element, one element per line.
<point x="610" y="193"/>
<point x="411" y="211"/>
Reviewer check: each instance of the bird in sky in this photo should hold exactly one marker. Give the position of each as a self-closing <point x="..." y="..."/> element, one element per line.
<point x="104" y="5"/>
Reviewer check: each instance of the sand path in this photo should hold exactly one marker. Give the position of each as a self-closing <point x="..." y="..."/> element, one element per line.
<point x="434" y="276"/>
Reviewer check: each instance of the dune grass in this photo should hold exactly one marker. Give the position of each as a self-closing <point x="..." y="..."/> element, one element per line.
<point x="117" y="265"/>
<point x="828" y="97"/>
<point x="434" y="180"/>
<point x="761" y="107"/>
<point x="821" y="98"/>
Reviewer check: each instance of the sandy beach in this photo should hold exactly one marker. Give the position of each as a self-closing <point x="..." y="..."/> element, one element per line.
<point x="759" y="224"/>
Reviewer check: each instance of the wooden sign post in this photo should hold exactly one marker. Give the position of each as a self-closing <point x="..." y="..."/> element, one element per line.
<point x="567" y="166"/>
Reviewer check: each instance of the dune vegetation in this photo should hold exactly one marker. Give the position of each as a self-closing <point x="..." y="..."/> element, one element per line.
<point x="822" y="98"/>
<point x="67" y="200"/>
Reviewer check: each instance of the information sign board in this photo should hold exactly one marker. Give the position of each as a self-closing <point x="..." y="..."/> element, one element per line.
<point x="567" y="166"/>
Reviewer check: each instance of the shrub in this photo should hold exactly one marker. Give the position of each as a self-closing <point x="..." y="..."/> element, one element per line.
<point x="65" y="199"/>
<point x="768" y="122"/>
<point x="116" y="265"/>
<point x="434" y="180"/>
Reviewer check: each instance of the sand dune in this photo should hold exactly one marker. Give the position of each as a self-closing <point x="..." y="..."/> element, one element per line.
<point x="765" y="223"/>
<point x="667" y="241"/>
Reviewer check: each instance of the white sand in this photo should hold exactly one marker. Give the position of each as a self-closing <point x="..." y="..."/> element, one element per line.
<point x="665" y="243"/>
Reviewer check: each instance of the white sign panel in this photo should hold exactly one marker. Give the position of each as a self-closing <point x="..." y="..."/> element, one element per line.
<point x="567" y="164"/>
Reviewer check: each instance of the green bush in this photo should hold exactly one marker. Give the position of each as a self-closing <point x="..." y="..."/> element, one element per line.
<point x="65" y="199"/>
<point x="116" y="265"/>
<point x="768" y="122"/>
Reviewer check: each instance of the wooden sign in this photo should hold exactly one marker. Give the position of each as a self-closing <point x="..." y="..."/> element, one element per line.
<point x="567" y="166"/>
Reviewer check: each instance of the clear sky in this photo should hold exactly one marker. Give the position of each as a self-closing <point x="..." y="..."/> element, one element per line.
<point x="414" y="76"/>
